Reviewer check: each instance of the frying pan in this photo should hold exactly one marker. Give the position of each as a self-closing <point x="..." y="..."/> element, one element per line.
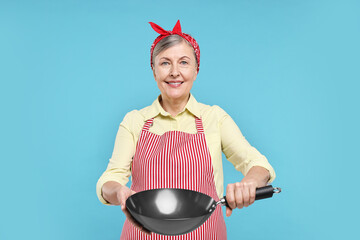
<point x="173" y="211"/>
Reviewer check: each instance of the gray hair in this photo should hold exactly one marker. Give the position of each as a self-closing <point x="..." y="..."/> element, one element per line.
<point x="168" y="42"/>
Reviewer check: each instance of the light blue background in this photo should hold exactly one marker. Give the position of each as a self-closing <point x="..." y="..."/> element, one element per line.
<point x="286" y="71"/>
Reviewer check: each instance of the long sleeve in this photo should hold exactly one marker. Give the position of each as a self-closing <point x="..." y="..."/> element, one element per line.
<point x="238" y="150"/>
<point x="119" y="166"/>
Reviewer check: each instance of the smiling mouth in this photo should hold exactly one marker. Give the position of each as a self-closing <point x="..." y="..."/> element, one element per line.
<point x="174" y="83"/>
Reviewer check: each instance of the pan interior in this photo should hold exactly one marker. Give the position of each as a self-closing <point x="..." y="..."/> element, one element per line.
<point x="170" y="203"/>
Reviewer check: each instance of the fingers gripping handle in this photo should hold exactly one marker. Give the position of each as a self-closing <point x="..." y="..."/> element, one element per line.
<point x="261" y="193"/>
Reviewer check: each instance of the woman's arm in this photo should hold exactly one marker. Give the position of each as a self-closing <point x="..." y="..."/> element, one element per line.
<point x="111" y="187"/>
<point x="118" y="169"/>
<point x="247" y="159"/>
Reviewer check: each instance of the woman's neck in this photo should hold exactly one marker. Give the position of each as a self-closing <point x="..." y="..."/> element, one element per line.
<point x="173" y="106"/>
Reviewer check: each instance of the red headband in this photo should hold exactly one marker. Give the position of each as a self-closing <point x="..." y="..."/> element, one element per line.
<point x="176" y="30"/>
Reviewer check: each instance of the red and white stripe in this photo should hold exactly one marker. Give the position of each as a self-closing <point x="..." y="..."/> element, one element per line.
<point x="175" y="160"/>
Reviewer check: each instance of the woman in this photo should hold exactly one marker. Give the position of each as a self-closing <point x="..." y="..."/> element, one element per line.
<point x="177" y="143"/>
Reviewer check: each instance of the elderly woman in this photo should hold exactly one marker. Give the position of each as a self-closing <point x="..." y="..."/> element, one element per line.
<point x="177" y="142"/>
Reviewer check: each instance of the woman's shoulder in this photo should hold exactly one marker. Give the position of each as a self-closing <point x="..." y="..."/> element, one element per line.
<point x="132" y="115"/>
<point x="134" y="120"/>
<point x="212" y="111"/>
<point x="212" y="117"/>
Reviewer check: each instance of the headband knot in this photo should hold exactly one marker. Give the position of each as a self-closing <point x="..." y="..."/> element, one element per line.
<point x="176" y="30"/>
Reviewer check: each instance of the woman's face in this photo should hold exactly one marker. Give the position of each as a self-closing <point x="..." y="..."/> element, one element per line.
<point x="175" y="71"/>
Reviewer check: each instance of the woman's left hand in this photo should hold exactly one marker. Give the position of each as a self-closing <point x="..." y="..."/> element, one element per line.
<point x="242" y="194"/>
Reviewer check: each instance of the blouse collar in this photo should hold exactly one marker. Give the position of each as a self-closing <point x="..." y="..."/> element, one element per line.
<point x="155" y="109"/>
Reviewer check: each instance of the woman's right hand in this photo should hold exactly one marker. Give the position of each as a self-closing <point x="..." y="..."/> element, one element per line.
<point x="116" y="194"/>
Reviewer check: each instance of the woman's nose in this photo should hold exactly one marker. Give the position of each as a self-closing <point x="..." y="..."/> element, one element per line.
<point x="174" y="71"/>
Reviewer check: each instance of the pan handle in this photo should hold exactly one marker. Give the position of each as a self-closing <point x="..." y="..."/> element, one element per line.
<point x="261" y="193"/>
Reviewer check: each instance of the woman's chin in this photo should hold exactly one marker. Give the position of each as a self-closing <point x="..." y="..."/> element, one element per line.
<point x="174" y="95"/>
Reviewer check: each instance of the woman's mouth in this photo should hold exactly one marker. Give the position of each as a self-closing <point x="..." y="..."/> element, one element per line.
<point x="175" y="84"/>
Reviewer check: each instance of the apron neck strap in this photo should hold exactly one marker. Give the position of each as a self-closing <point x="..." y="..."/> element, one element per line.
<point x="148" y="124"/>
<point x="199" y="125"/>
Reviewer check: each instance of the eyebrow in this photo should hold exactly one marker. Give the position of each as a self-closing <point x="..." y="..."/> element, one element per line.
<point x="164" y="58"/>
<point x="170" y="59"/>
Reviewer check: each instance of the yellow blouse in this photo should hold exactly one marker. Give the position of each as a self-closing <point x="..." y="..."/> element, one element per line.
<point x="221" y="134"/>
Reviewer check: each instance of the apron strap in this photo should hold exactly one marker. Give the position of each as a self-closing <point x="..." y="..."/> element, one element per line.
<point x="199" y="125"/>
<point x="148" y="124"/>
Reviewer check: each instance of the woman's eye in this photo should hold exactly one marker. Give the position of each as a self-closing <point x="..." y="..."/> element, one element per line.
<point x="165" y="63"/>
<point x="184" y="62"/>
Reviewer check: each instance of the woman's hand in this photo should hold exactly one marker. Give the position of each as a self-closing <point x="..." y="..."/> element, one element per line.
<point x="116" y="194"/>
<point x="242" y="194"/>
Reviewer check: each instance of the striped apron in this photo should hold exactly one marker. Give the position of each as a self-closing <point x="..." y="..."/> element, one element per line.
<point x="175" y="160"/>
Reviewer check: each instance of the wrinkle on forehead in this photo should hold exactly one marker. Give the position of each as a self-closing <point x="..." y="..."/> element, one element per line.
<point x="177" y="51"/>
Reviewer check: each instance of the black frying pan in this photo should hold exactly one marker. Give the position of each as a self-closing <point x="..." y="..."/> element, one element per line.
<point x="173" y="211"/>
